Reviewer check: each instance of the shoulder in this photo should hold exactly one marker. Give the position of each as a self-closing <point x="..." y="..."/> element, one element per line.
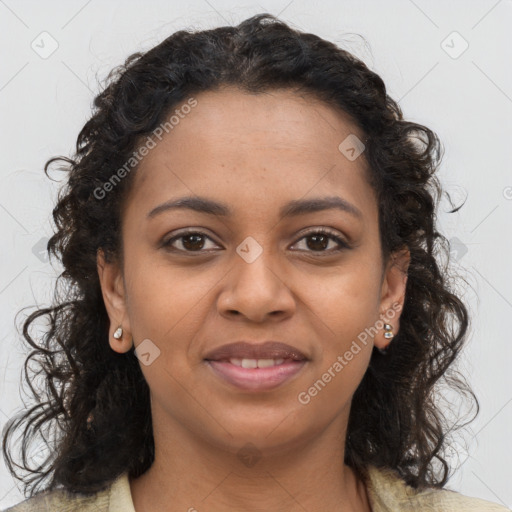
<point x="61" y="501"/>
<point x="115" y="497"/>
<point x="389" y="493"/>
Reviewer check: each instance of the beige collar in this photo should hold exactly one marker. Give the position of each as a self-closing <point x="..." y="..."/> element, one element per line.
<point x="387" y="492"/>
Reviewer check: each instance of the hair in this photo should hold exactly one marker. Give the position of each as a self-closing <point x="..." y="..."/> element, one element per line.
<point x="95" y="402"/>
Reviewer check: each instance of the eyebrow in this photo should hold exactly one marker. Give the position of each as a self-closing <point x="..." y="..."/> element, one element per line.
<point x="291" y="209"/>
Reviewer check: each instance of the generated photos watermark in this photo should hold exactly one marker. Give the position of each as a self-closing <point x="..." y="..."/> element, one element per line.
<point x="150" y="143"/>
<point x="304" y="397"/>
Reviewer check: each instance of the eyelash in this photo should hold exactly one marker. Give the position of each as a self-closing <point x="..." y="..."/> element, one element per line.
<point x="320" y="231"/>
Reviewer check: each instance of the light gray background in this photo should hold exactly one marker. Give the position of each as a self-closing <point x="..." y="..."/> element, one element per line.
<point x="465" y="99"/>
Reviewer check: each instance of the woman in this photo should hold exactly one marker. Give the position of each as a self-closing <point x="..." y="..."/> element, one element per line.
<point x="255" y="317"/>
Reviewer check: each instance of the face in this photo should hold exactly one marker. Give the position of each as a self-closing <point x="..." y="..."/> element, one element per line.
<point x="252" y="267"/>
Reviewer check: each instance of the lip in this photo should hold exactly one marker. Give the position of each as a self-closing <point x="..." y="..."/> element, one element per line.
<point x="256" y="379"/>
<point x="246" y="350"/>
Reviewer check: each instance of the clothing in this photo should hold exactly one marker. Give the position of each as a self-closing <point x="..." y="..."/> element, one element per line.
<point x="387" y="492"/>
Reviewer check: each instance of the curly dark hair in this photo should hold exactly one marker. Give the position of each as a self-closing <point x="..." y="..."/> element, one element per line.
<point x="394" y="421"/>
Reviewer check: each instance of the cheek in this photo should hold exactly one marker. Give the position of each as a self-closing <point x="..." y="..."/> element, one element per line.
<point x="329" y="393"/>
<point x="344" y="310"/>
<point x="162" y="299"/>
<point x="347" y="301"/>
<point x="167" y="307"/>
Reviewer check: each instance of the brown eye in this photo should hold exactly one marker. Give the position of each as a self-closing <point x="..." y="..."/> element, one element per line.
<point x="318" y="241"/>
<point x="192" y="241"/>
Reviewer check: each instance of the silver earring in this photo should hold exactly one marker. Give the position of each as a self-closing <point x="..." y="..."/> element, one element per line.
<point x="388" y="331"/>
<point x="118" y="333"/>
<point x="388" y="334"/>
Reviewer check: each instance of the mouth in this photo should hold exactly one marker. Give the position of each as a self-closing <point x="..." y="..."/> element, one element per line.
<point x="256" y="367"/>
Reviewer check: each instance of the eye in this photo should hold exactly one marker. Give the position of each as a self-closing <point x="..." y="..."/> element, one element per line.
<point x="196" y="241"/>
<point x="320" y="240"/>
<point x="189" y="241"/>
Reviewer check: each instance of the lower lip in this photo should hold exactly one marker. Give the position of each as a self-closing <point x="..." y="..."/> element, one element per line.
<point x="256" y="379"/>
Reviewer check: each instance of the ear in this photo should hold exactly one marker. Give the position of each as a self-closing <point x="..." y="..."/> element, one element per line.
<point x="393" y="294"/>
<point x="113" y="291"/>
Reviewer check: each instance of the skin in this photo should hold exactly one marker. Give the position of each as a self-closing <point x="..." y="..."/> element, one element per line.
<point x="255" y="153"/>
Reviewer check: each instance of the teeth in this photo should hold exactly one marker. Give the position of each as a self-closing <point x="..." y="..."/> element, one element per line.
<point x="265" y="363"/>
<point x="249" y="363"/>
<point x="255" y="363"/>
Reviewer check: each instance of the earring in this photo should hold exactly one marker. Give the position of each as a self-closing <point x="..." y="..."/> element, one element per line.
<point x="388" y="334"/>
<point x="388" y="331"/>
<point x="118" y="333"/>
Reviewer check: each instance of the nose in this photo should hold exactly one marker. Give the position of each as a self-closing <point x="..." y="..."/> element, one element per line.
<point x="256" y="291"/>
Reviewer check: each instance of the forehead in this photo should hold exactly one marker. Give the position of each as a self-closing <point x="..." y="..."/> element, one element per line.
<point x="262" y="145"/>
<point x="281" y="117"/>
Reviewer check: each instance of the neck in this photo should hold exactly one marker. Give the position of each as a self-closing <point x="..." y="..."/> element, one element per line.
<point x="192" y="474"/>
